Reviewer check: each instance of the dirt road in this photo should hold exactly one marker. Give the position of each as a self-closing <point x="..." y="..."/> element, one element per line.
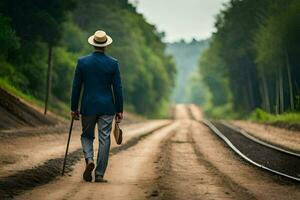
<point x="182" y="160"/>
<point x="22" y="153"/>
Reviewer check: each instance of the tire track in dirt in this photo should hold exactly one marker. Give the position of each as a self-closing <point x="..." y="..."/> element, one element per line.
<point x="36" y="131"/>
<point x="134" y="141"/>
<point x="185" y="175"/>
<point x="131" y="174"/>
<point x="28" y="179"/>
<point x="13" y="185"/>
<point x="21" y="153"/>
<point x="242" y="193"/>
<point x="258" y="183"/>
<point x="163" y="171"/>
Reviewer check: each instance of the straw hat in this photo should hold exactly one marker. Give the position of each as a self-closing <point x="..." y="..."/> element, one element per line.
<point x="100" y="39"/>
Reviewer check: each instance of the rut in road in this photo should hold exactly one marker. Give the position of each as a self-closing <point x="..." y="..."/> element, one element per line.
<point x="258" y="183"/>
<point x="163" y="165"/>
<point x="185" y="174"/>
<point x="50" y="158"/>
<point x="131" y="174"/>
<point x="183" y="160"/>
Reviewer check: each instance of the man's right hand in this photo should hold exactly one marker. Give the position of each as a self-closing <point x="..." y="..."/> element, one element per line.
<point x="75" y="115"/>
<point x="119" y="117"/>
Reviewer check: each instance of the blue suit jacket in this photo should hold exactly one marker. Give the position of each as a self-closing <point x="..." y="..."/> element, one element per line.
<point x="98" y="74"/>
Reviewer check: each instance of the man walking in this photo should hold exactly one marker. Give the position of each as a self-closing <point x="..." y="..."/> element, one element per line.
<point x="101" y="100"/>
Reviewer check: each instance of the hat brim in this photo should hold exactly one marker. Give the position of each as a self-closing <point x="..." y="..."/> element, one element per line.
<point x="108" y="41"/>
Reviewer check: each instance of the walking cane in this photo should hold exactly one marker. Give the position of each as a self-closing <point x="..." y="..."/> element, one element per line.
<point x="67" y="148"/>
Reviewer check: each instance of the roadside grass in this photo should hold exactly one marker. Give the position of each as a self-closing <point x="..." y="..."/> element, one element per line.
<point x="261" y="116"/>
<point x="221" y="112"/>
<point x="11" y="89"/>
<point x="56" y="106"/>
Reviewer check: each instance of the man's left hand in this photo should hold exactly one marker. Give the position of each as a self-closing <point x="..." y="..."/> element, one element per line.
<point x="119" y="117"/>
<point x="75" y="115"/>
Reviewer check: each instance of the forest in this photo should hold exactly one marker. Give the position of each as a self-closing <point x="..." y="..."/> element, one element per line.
<point x="42" y="40"/>
<point x="186" y="57"/>
<point x="252" y="62"/>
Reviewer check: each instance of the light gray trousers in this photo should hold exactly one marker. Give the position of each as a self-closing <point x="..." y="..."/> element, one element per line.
<point x="104" y="124"/>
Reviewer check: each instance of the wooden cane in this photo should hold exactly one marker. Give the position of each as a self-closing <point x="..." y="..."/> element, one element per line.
<point x="67" y="148"/>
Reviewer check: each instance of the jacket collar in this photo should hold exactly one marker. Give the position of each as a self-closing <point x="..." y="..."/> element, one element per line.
<point x="98" y="52"/>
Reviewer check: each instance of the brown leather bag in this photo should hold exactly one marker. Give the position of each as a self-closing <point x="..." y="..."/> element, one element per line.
<point x="118" y="133"/>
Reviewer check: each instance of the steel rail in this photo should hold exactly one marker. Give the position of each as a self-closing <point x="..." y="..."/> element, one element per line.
<point x="243" y="132"/>
<point x="234" y="148"/>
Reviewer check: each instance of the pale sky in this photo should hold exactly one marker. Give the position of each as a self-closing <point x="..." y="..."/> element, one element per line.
<point x="181" y="19"/>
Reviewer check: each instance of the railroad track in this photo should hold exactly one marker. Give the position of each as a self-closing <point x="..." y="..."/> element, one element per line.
<point x="260" y="154"/>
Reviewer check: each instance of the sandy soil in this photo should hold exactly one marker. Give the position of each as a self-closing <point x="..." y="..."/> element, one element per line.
<point x="183" y="160"/>
<point x="277" y="136"/>
<point x="130" y="174"/>
<point x="184" y="174"/>
<point x="22" y="153"/>
<point x="187" y="176"/>
<point x="257" y="183"/>
<point x="15" y="113"/>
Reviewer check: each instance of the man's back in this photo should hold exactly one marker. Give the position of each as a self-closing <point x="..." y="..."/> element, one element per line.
<point x="97" y="72"/>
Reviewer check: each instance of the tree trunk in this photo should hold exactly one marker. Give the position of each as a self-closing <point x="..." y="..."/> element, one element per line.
<point x="49" y="73"/>
<point x="290" y="81"/>
<point x="246" y="98"/>
<point x="277" y="95"/>
<point x="266" y="93"/>
<point x="281" y="95"/>
<point x="250" y="90"/>
<point x="261" y="92"/>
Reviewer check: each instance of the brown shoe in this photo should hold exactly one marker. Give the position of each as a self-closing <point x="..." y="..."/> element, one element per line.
<point x="87" y="174"/>
<point x="99" y="179"/>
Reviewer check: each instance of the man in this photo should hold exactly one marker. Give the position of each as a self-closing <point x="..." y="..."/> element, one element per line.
<point x="102" y="98"/>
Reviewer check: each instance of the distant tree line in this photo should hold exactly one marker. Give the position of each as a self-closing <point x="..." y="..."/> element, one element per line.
<point x="253" y="59"/>
<point x="40" y="38"/>
<point x="186" y="56"/>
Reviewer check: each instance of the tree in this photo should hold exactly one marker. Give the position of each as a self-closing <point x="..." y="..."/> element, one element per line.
<point x="39" y="20"/>
<point x="275" y="45"/>
<point x="258" y="48"/>
<point x="48" y="30"/>
<point x="147" y="72"/>
<point x="8" y="39"/>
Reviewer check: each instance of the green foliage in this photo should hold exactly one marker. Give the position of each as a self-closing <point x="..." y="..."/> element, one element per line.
<point x="29" y="29"/>
<point x="64" y="66"/>
<point x="147" y="72"/>
<point x="9" y="73"/>
<point x="186" y="56"/>
<point x="214" y="75"/>
<point x="277" y="48"/>
<point x="197" y="91"/>
<point x="8" y="38"/>
<point x="33" y="70"/>
<point x="74" y="39"/>
<point x="220" y="112"/>
<point x="58" y="107"/>
<point x="37" y="20"/>
<point x="260" y="115"/>
<point x="7" y="85"/>
<point x="38" y="25"/>
<point x="252" y="61"/>
<point x="297" y="102"/>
